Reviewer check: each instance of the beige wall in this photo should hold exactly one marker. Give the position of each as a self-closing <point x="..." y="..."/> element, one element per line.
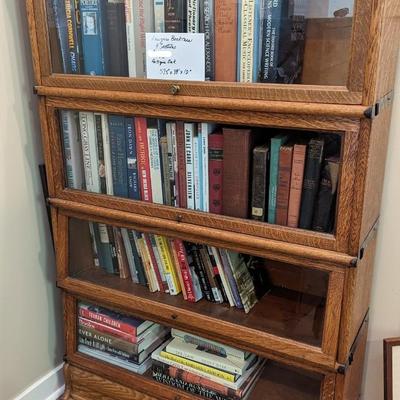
<point x="30" y="329"/>
<point x="385" y="302"/>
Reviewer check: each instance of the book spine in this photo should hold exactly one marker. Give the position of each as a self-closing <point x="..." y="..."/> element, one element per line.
<point x="311" y="182"/>
<point x="165" y="170"/>
<point x="143" y="159"/>
<point x="225" y="283"/>
<point x="94" y="38"/>
<point x="156" y="267"/>
<point x="259" y="183"/>
<point x="100" y="152"/>
<point x="116" y="125"/>
<point x="177" y="267"/>
<point x="129" y="255"/>
<point x="107" y="154"/>
<point x="72" y="149"/>
<point x="60" y="19"/>
<point x="246" y="16"/>
<point x="296" y="184"/>
<point x="189" y="133"/>
<point x="257" y="36"/>
<point x="72" y="31"/>
<point x="131" y="158"/>
<point x="197" y="177"/>
<point x="121" y="254"/>
<point x="155" y="165"/>
<point x="175" y="165"/>
<point x="200" y="367"/>
<point x="171" y="162"/>
<point x="200" y="272"/>
<point x="159" y="21"/>
<point x="284" y="174"/>
<point x="193" y="17"/>
<point x="181" y="157"/>
<point x="116" y="30"/>
<point x="160" y="263"/>
<point x="207" y="27"/>
<point x="206" y="129"/>
<point x="207" y="266"/>
<point x="175" y="16"/>
<point x="130" y="38"/>
<point x="215" y="165"/>
<point x="148" y="265"/>
<point x="138" y="263"/>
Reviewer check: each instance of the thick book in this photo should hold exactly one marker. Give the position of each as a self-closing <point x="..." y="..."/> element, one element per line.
<point x="238" y="145"/>
<point x="116" y="31"/>
<point x="276" y="143"/>
<point x="94" y="37"/>
<point x="296" y="184"/>
<point x="116" y="126"/>
<point x="312" y="172"/>
<point x="139" y="16"/>
<point x="226" y="14"/>
<point x="159" y="18"/>
<point x="131" y="160"/>
<point x="215" y="174"/>
<point x="175" y="16"/>
<point x="143" y="159"/>
<point x="324" y="212"/>
<point x="189" y="129"/>
<point x="284" y="175"/>
<point x="207" y="27"/>
<point x="155" y="165"/>
<point x="181" y="159"/>
<point x="260" y="183"/>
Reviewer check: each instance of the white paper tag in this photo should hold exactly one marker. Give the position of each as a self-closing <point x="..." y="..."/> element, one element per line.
<point x="175" y="56"/>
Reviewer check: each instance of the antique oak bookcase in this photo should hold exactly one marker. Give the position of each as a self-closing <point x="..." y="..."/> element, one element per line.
<point x="346" y="89"/>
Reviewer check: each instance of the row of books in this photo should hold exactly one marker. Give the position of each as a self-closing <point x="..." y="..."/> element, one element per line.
<point x="286" y="178"/>
<point x="179" y="359"/>
<point x="173" y="266"/>
<point x="245" y="41"/>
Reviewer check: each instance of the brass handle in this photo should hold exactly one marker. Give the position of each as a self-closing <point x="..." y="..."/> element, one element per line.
<point x="174" y="89"/>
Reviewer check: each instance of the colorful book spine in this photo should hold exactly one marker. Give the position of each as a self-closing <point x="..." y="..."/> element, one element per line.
<point x="131" y="158"/>
<point x="74" y="49"/>
<point x="138" y="263"/>
<point x="190" y="195"/>
<point x="116" y="126"/>
<point x="193" y="17"/>
<point x="259" y="196"/>
<point x="155" y="263"/>
<point x="148" y="266"/>
<point x="215" y="165"/>
<point x="143" y="159"/>
<point x="208" y="267"/>
<point x="207" y="27"/>
<point x="94" y="37"/>
<point x="175" y="16"/>
<point x="181" y="164"/>
<point x="159" y="22"/>
<point x="155" y="165"/>
<point x="284" y="174"/>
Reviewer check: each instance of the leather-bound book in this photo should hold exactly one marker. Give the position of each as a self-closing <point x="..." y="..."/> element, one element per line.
<point x="225" y="40"/>
<point x="296" y="184"/>
<point x="215" y="171"/>
<point x="238" y="145"/>
<point x="260" y="183"/>
<point x="284" y="174"/>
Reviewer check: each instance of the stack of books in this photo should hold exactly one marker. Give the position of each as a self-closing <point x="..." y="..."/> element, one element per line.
<point x="206" y="368"/>
<point x="244" y="41"/>
<point x="285" y="178"/>
<point x="117" y="338"/>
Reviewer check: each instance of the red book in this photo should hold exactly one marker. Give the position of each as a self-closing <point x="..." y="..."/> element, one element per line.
<point x="225" y="40"/>
<point x="154" y="263"/>
<point x="180" y="149"/>
<point x="184" y="267"/>
<point x="215" y="171"/>
<point x="284" y="174"/>
<point x="296" y="184"/>
<point x="143" y="159"/>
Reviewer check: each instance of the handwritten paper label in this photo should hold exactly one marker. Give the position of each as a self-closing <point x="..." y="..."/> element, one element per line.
<point x="175" y="56"/>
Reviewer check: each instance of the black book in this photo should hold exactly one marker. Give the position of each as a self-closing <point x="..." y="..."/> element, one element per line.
<point x="260" y="182"/>
<point x="312" y="172"/>
<point x="207" y="27"/>
<point x="175" y="16"/>
<point x="116" y="30"/>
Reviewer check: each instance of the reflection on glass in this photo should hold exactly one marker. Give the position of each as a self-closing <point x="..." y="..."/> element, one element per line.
<point x="267" y="41"/>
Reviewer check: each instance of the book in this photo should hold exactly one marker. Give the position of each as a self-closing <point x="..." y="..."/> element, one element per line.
<point x="94" y="37"/>
<point x="131" y="160"/>
<point x="98" y="126"/>
<point x="312" y="171"/>
<point x="124" y="272"/>
<point x="189" y="134"/>
<point x="284" y="175"/>
<point x="175" y="16"/>
<point x="172" y="161"/>
<point x="204" y="130"/>
<point x="238" y="145"/>
<point x="207" y="27"/>
<point x="211" y="274"/>
<point x="296" y="184"/>
<point x="147" y="263"/>
<point x="106" y="152"/>
<point x="129" y="255"/>
<point x="181" y="164"/>
<point x="155" y="262"/>
<point x="116" y="31"/>
<point x="72" y="149"/>
<point x="197" y="178"/>
<point x="324" y="207"/>
<point x="54" y="41"/>
<point x="226" y="15"/>
<point x="159" y="19"/>
<point x="166" y="170"/>
<point x="276" y="143"/>
<point x="137" y="259"/>
<point x="143" y="159"/>
<point x="155" y="165"/>
<point x="139" y="17"/>
<point x="260" y="183"/>
<point x="193" y="16"/>
<point x="215" y="174"/>
<point x="116" y="126"/>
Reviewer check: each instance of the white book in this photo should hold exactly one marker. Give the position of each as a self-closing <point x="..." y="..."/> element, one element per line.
<point x="155" y="165"/>
<point x="107" y="153"/>
<point x="196" y="168"/>
<point x="193" y="16"/>
<point x="159" y="262"/>
<point x="189" y="133"/>
<point x="175" y="163"/>
<point x="139" y="15"/>
<point x="72" y="149"/>
<point x="89" y="151"/>
<point x="129" y="255"/>
<point x="170" y="150"/>
<point x="159" y="19"/>
<point x="205" y="129"/>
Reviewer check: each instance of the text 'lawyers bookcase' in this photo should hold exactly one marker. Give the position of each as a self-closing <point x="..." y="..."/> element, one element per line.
<point x="335" y="80"/>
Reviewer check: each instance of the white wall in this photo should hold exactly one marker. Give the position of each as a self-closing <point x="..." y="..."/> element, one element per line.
<point x="30" y="312"/>
<point x="385" y="302"/>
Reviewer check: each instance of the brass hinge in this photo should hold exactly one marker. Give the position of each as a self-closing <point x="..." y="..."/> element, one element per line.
<point x="373" y="111"/>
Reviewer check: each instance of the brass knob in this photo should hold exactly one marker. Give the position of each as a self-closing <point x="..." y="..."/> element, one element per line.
<point x="174" y="89"/>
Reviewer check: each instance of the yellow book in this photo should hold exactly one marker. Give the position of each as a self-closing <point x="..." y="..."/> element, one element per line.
<point x="200" y="367"/>
<point x="168" y="265"/>
<point x="150" y="274"/>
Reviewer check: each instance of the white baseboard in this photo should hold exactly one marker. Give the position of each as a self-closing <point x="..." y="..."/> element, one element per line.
<point x="48" y="387"/>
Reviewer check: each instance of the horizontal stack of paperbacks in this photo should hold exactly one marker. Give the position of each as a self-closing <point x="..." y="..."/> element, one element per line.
<point x="185" y="361"/>
<point x="245" y="41"/>
<point x="283" y="177"/>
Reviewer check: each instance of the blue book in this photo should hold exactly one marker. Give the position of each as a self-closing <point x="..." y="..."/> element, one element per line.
<point x="276" y="143"/>
<point x="257" y="41"/>
<point x="103" y="249"/>
<point x="94" y="37"/>
<point x="131" y="156"/>
<point x="116" y="127"/>
<point x="136" y="258"/>
<point x="60" y="18"/>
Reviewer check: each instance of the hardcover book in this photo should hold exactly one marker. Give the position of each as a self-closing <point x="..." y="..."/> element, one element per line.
<point x="207" y="27"/>
<point x="175" y="16"/>
<point x="215" y="174"/>
<point x="259" y="197"/>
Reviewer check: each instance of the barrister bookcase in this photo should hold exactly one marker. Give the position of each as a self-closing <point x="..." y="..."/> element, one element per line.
<point x="346" y="89"/>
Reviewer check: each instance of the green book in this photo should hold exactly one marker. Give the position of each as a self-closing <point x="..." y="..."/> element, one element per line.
<point x="276" y="143"/>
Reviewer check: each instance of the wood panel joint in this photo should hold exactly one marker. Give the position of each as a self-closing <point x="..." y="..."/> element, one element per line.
<point x="373" y="111"/>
